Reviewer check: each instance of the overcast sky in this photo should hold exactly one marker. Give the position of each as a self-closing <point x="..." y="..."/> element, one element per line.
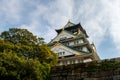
<point x="100" y="19"/>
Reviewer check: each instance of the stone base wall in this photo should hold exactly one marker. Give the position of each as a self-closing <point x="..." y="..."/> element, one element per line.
<point x="100" y="70"/>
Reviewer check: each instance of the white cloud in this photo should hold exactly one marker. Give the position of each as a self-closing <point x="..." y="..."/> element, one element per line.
<point x="35" y="25"/>
<point x="92" y="18"/>
<point x="50" y="34"/>
<point x="55" y="13"/>
<point x="95" y="32"/>
<point x="112" y="9"/>
<point x="59" y="12"/>
<point x="97" y="17"/>
<point x="10" y="11"/>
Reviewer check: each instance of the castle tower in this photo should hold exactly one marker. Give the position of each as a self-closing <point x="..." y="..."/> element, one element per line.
<point x="72" y="46"/>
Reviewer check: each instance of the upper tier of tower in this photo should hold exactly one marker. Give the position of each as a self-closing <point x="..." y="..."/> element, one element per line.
<point x="75" y="29"/>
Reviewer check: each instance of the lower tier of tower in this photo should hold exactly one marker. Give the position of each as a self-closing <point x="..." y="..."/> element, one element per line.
<point x="75" y="59"/>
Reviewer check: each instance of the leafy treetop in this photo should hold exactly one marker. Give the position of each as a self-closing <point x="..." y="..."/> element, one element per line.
<point x="22" y="36"/>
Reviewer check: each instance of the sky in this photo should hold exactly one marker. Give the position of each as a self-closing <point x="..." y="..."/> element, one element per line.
<point x="100" y="19"/>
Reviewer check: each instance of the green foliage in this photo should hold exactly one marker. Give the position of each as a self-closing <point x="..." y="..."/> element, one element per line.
<point x="27" y="45"/>
<point x="107" y="65"/>
<point x="23" y="56"/>
<point x="91" y="67"/>
<point x="16" y="68"/>
<point x="46" y="55"/>
<point x="23" y="36"/>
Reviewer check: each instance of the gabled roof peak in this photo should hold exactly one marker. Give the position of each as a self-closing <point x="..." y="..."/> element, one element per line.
<point x="69" y="23"/>
<point x="68" y="20"/>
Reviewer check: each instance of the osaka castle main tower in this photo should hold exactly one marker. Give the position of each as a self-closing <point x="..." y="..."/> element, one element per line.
<point x="72" y="46"/>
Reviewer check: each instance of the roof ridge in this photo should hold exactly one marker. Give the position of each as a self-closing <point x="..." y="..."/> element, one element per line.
<point x="71" y="48"/>
<point x="68" y="47"/>
<point x="77" y="35"/>
<point x="69" y="23"/>
<point x="74" y="49"/>
<point x="69" y="32"/>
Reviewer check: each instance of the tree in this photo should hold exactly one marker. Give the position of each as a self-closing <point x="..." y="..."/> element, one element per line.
<point x="16" y="68"/>
<point x="22" y="54"/>
<point x="22" y="36"/>
<point x="46" y="55"/>
<point x="5" y="45"/>
<point x="29" y="46"/>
